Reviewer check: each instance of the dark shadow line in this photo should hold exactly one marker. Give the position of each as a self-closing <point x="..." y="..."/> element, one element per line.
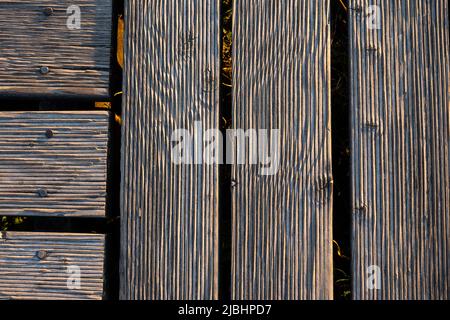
<point x="340" y="121"/>
<point x="224" y="171"/>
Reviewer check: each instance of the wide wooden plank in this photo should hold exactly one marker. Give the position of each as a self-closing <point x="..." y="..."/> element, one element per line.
<point x="400" y="141"/>
<point x="51" y="266"/>
<point x="169" y="212"/>
<point x="281" y="223"/>
<point x="53" y="163"/>
<point x="43" y="54"/>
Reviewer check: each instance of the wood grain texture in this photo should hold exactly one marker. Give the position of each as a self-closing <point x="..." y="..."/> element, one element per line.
<point x="38" y="266"/>
<point x="282" y="230"/>
<point x="400" y="141"/>
<point x="53" y="163"/>
<point x="169" y="212"/>
<point x="78" y="60"/>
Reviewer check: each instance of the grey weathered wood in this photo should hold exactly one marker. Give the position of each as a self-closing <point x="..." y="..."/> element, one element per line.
<point x="78" y="60"/>
<point x="53" y="163"/>
<point x="169" y="212"/>
<point x="282" y="230"/>
<point x="400" y="140"/>
<point x="39" y="266"/>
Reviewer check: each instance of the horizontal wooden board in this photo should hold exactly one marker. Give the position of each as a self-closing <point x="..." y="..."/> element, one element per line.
<point x="169" y="212"/>
<point x="34" y="35"/>
<point x="46" y="266"/>
<point x="53" y="163"/>
<point x="281" y="223"/>
<point x="400" y="149"/>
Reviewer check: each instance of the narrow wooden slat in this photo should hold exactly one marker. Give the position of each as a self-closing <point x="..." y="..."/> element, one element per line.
<point x="282" y="231"/>
<point x="41" y="266"/>
<point x="169" y="212"/>
<point x="53" y="163"/>
<point x="78" y="60"/>
<point x="400" y="141"/>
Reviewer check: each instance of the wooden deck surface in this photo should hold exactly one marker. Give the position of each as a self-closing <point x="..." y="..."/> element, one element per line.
<point x="53" y="164"/>
<point x="281" y="228"/>
<point x="169" y="212"/>
<point x="400" y="150"/>
<point x="43" y="54"/>
<point x="46" y="266"/>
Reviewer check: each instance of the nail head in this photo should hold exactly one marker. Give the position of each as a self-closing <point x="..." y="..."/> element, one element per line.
<point x="44" y="70"/>
<point x="48" y="11"/>
<point x="42" y="193"/>
<point x="49" y="133"/>
<point x="41" y="254"/>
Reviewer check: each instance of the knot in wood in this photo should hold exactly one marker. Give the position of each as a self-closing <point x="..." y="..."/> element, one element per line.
<point x="362" y="208"/>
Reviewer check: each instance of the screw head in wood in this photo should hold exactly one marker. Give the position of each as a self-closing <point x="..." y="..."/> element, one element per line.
<point x="42" y="193"/>
<point x="44" y="70"/>
<point x="41" y="254"/>
<point x="48" y="11"/>
<point x="49" y="133"/>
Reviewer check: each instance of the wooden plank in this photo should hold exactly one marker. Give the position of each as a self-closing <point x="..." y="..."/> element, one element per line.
<point x="281" y="224"/>
<point x="35" y="35"/>
<point x="44" y="266"/>
<point x="53" y="163"/>
<point x="169" y="212"/>
<point x="400" y="141"/>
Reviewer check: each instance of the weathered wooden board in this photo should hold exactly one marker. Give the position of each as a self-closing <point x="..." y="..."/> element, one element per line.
<point x="40" y="266"/>
<point x="282" y="230"/>
<point x="400" y="141"/>
<point x="53" y="163"/>
<point x="41" y="55"/>
<point x="169" y="212"/>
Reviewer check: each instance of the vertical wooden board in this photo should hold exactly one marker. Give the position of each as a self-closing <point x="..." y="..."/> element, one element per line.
<point x="282" y="223"/>
<point x="169" y="212"/>
<point x="53" y="163"/>
<point x="45" y="53"/>
<point x="400" y="149"/>
<point x="45" y="266"/>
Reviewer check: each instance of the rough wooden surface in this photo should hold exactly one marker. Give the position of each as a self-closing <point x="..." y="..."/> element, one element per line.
<point x="78" y="60"/>
<point x="401" y="160"/>
<point x="169" y="212"/>
<point x="282" y="230"/>
<point x="53" y="163"/>
<point x="38" y="265"/>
